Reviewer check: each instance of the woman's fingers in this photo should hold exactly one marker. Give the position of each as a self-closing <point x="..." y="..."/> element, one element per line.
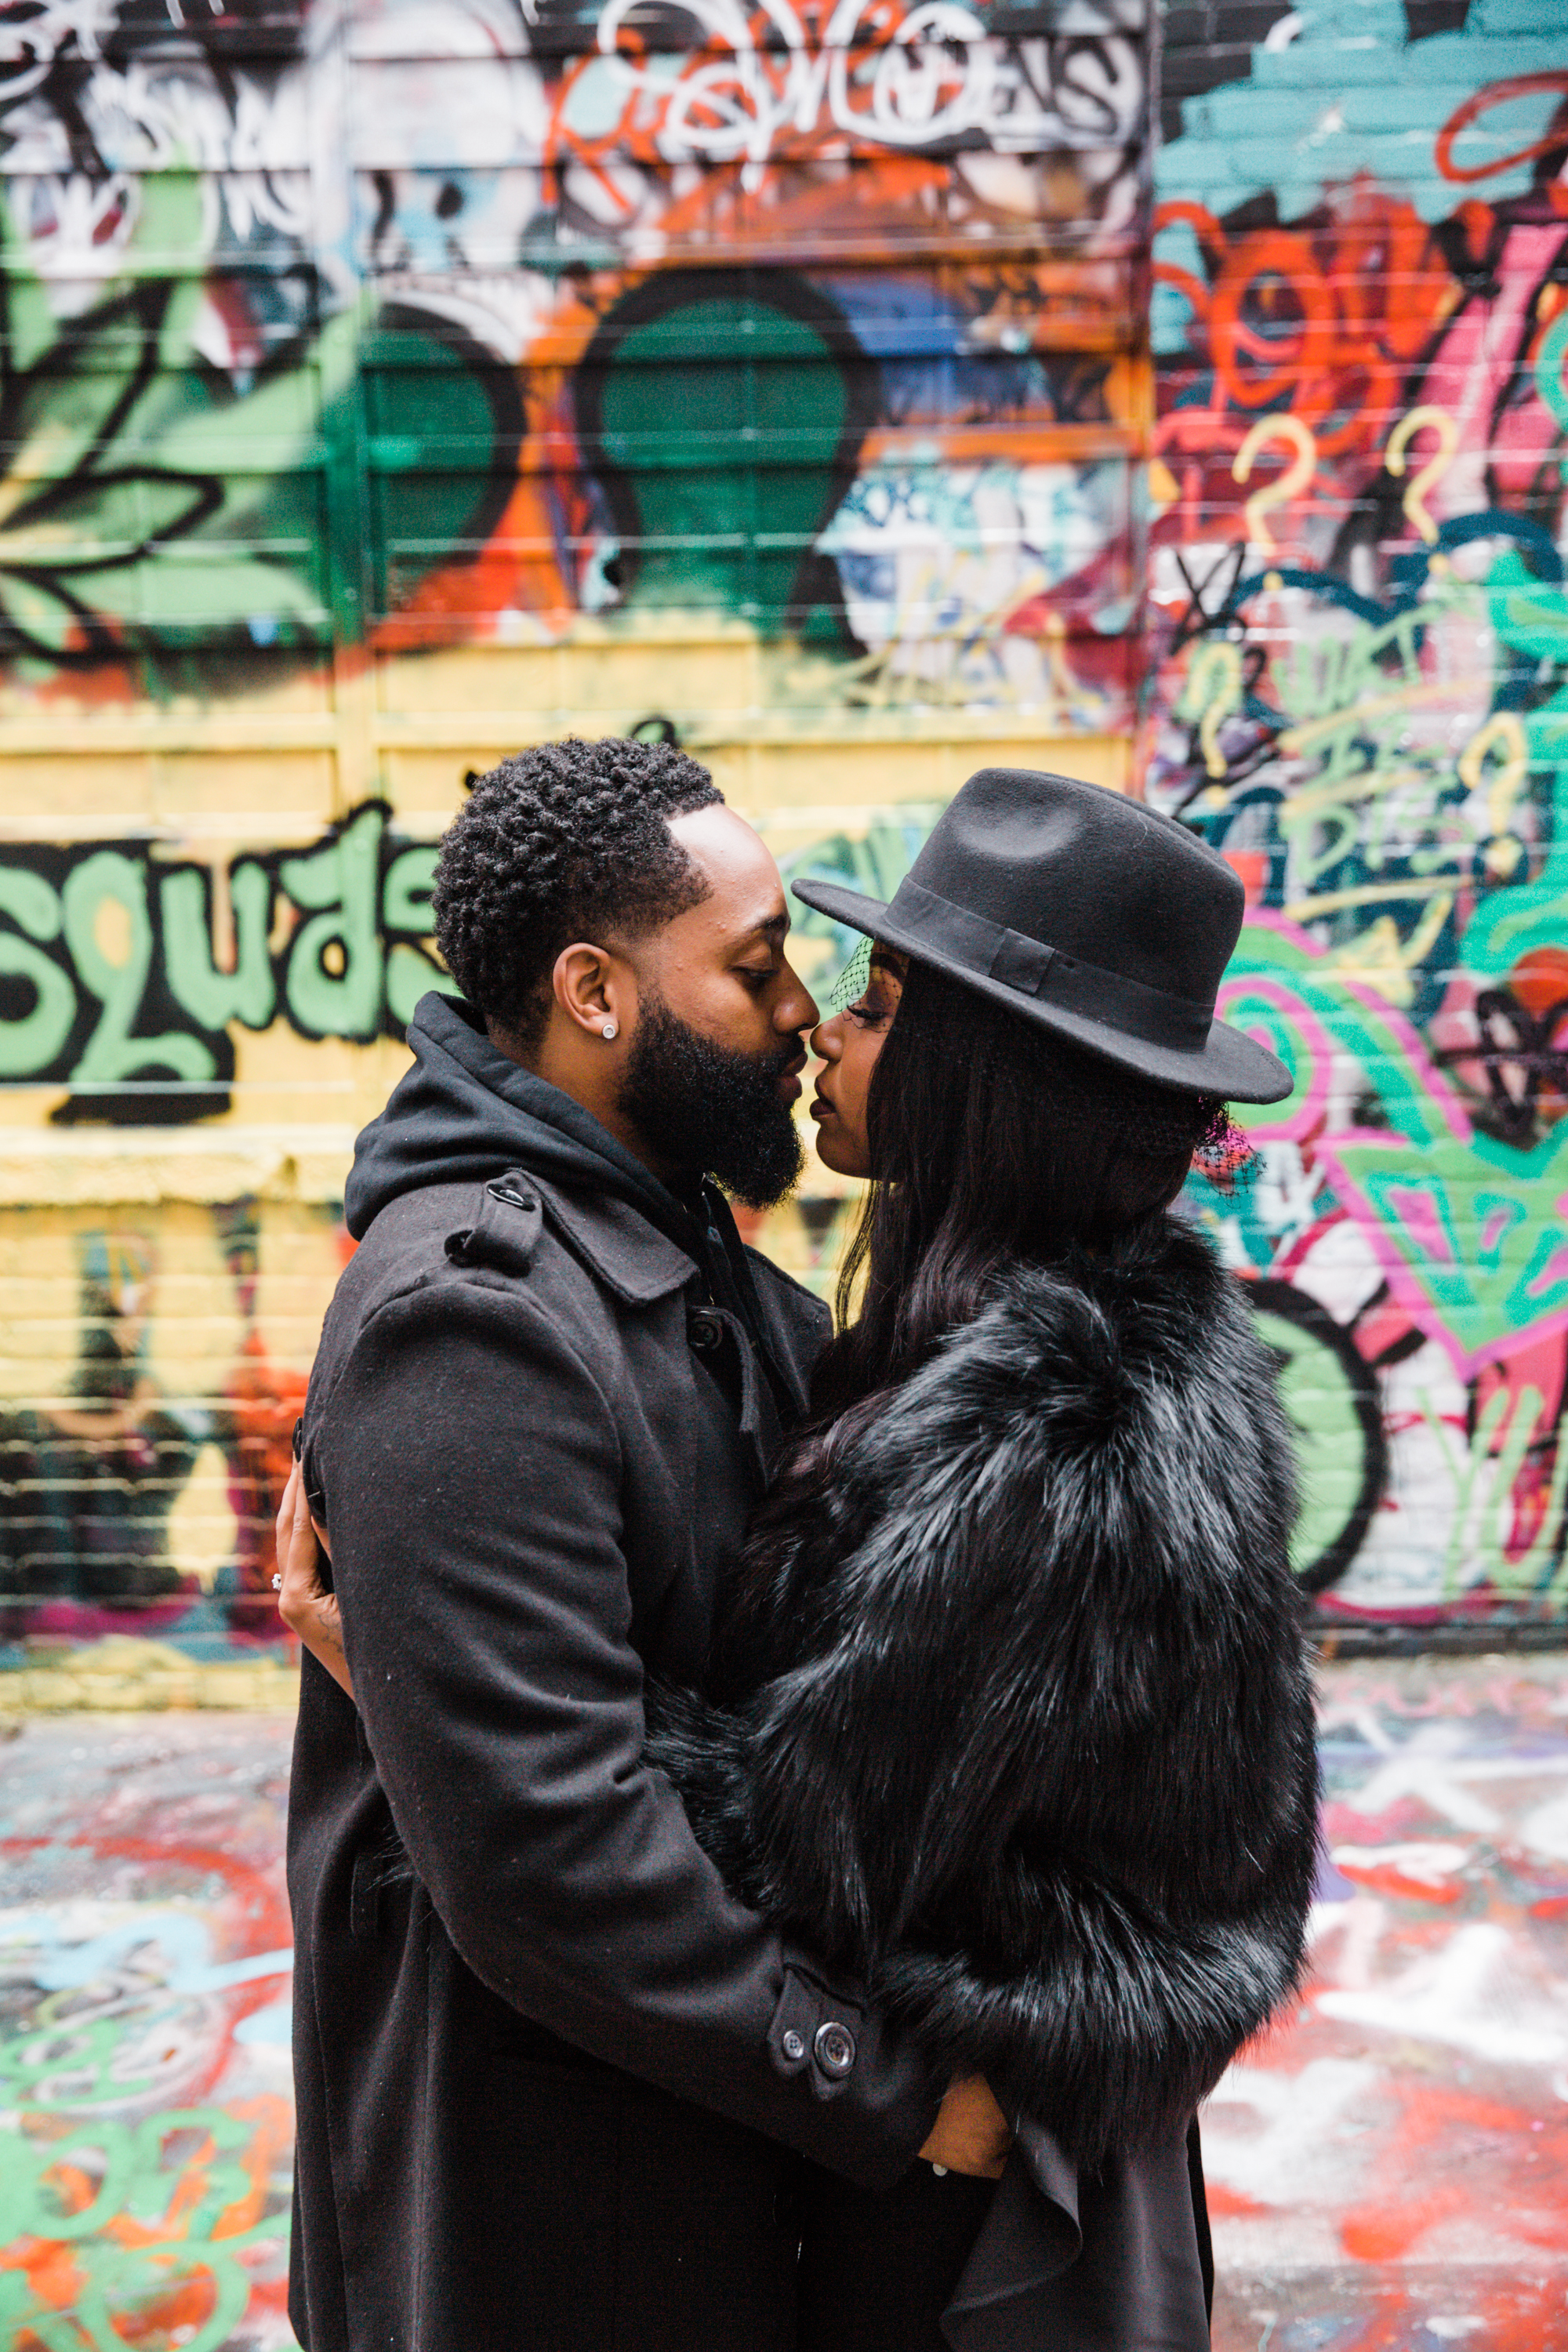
<point x="304" y="1603"/>
<point x="971" y="2134"/>
<point x="283" y="1532"/>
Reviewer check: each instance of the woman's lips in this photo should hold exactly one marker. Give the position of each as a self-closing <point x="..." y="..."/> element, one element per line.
<point x="821" y="1107"/>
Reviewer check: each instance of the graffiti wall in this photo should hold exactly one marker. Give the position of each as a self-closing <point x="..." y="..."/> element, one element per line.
<point x="854" y="392"/>
<point x="386" y="385"/>
<point x="1358" y="657"/>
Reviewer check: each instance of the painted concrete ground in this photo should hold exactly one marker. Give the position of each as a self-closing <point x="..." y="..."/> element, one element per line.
<point x="1391" y="2171"/>
<point x="145" y="2116"/>
<point x="1389" y="2174"/>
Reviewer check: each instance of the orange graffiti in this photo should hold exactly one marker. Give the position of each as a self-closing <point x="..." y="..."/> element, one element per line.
<point x="1326" y="320"/>
<point x="1481" y="102"/>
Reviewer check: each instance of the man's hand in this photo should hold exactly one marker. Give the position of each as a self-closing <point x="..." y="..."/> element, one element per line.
<point x="305" y="1605"/>
<point x="971" y="2133"/>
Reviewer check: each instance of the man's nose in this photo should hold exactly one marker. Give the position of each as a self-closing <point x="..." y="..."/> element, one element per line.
<point x="796" y="1008"/>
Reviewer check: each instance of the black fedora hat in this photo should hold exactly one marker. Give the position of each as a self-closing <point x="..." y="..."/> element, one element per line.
<point x="1084" y="911"/>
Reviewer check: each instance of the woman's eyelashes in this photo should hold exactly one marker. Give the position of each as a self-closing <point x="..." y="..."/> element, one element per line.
<point x="874" y="1010"/>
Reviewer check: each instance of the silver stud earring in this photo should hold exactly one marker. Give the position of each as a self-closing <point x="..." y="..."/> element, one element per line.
<point x="609" y="1030"/>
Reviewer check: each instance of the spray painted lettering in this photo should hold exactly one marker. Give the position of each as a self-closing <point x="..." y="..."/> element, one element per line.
<point x="1360" y="696"/>
<point x="123" y="973"/>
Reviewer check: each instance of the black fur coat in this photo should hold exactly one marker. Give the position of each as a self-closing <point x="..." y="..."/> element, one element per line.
<point x="1023" y="1728"/>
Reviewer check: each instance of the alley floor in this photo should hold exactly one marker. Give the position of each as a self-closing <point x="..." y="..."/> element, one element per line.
<point x="1388" y="2172"/>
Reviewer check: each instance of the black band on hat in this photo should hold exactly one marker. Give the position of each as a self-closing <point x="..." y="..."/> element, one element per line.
<point x="1046" y="973"/>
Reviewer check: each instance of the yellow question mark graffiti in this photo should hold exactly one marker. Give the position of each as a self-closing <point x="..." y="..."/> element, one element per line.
<point x="1294" y="435"/>
<point x="1504" y="734"/>
<point x="1448" y="431"/>
<point x="1213" y="688"/>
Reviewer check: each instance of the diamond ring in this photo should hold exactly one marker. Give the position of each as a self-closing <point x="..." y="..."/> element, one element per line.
<point x="278" y="1581"/>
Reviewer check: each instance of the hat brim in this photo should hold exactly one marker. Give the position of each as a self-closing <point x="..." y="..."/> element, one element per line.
<point x="1229" y="1064"/>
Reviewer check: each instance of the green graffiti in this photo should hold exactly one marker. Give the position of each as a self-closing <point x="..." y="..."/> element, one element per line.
<point x="1323" y="1410"/>
<point x="340" y="879"/>
<point x="112" y="2226"/>
<point x="150" y="2223"/>
<point x="33" y="1040"/>
<point x="249" y="993"/>
<point x="152" y="502"/>
<point x="110" y="977"/>
<point x="110" y="884"/>
<point x="132" y="476"/>
<point x="406" y="909"/>
<point x="690" y="377"/>
<point x="1476" y="1228"/>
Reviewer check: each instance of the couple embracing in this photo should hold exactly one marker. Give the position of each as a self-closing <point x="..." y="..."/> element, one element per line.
<point x="787" y="1826"/>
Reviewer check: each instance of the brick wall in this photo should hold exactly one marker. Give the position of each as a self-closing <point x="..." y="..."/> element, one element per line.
<point x="383" y="387"/>
<point x="1356" y="690"/>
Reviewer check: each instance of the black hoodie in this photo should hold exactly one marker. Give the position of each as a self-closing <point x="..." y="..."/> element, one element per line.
<point x="466" y="1113"/>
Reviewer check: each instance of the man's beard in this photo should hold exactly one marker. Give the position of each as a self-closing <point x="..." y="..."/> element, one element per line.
<point x="705" y="1108"/>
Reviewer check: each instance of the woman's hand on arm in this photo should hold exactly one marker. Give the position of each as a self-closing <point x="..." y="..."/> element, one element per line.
<point x="971" y="2133"/>
<point x="304" y="1603"/>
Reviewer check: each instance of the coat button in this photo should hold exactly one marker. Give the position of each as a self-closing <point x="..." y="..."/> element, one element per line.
<point x="794" y="2047"/>
<point x="834" y="2048"/>
<point x="704" y="1330"/>
<point x="510" y="1194"/>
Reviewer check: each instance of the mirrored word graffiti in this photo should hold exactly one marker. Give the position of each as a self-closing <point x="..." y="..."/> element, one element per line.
<point x="123" y="973"/>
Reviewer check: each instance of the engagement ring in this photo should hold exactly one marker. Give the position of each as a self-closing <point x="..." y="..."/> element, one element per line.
<point x="278" y="1581"/>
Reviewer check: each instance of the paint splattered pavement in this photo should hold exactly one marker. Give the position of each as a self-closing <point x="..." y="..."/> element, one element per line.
<point x="1388" y="2174"/>
<point x="147" y="2124"/>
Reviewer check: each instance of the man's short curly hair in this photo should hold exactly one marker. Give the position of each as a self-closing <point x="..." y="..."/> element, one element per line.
<point x="569" y="841"/>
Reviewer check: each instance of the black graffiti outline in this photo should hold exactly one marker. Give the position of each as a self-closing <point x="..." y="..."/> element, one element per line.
<point x="162" y="1010"/>
<point x="1271" y="1296"/>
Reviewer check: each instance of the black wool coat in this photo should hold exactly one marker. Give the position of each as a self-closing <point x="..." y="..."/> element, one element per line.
<point x="545" y="2100"/>
<point x="1024" y="1728"/>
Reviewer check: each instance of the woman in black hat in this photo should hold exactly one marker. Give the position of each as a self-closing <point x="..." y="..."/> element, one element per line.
<point x="1018" y="1718"/>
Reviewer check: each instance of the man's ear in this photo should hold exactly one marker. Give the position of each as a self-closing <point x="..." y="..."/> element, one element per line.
<point x="594" y="988"/>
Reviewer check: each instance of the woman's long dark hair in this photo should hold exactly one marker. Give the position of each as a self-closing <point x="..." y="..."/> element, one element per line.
<point x="992" y="1140"/>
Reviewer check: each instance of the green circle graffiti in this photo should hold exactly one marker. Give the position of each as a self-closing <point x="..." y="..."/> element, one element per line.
<point x="1330" y="1396"/>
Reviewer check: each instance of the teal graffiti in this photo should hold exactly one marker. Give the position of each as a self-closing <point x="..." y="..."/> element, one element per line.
<point x="1550" y="362"/>
<point x="1473" y="1229"/>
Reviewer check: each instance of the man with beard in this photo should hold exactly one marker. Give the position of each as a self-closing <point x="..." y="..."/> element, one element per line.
<point x="550" y="2075"/>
